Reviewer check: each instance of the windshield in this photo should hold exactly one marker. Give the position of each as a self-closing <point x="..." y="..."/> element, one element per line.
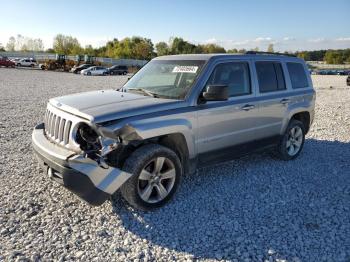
<point x="165" y="78"/>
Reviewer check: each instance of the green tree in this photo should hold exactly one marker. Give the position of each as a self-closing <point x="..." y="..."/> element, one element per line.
<point x="232" y="51"/>
<point x="124" y="49"/>
<point x="50" y="50"/>
<point x="2" y="49"/>
<point x="142" y="48"/>
<point x="270" y="48"/>
<point x="89" y="50"/>
<point x="180" y="46"/>
<point x="110" y="48"/>
<point x="162" y="48"/>
<point x="334" y="57"/>
<point x="67" y="45"/>
<point x="210" y="49"/>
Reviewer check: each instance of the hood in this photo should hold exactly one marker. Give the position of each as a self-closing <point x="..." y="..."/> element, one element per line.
<point x="106" y="105"/>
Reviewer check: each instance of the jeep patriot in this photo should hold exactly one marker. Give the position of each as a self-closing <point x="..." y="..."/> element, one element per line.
<point x="174" y="115"/>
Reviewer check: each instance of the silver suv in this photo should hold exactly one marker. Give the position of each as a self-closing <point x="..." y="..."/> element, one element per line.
<point x="176" y="114"/>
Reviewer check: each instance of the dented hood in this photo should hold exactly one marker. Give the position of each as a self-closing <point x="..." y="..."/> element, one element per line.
<point x="106" y="105"/>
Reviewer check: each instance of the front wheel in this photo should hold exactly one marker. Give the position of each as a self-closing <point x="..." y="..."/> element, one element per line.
<point x="292" y="142"/>
<point x="156" y="174"/>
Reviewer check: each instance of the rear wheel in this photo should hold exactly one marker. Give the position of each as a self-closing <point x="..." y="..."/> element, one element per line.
<point x="156" y="174"/>
<point x="292" y="142"/>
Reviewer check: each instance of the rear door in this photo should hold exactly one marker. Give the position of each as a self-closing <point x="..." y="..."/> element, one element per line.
<point x="272" y="96"/>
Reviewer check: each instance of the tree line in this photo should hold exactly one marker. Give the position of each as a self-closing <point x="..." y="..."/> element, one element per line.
<point x="142" y="48"/>
<point x="329" y="56"/>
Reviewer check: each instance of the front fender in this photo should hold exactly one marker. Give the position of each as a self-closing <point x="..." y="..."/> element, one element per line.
<point x="148" y="128"/>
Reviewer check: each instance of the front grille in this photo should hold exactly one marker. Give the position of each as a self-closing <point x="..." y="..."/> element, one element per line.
<point x="57" y="128"/>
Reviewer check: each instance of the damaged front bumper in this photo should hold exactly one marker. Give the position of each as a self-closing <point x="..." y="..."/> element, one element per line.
<point x="83" y="176"/>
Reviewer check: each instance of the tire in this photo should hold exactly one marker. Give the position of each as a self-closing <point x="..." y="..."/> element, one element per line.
<point x="125" y="73"/>
<point x="145" y="189"/>
<point x="19" y="64"/>
<point x="291" y="143"/>
<point x="88" y="73"/>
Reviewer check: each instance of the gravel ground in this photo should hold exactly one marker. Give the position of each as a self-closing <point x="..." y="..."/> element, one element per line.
<point x="255" y="208"/>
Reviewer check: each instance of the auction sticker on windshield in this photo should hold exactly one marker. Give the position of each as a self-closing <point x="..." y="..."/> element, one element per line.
<point x="185" y="69"/>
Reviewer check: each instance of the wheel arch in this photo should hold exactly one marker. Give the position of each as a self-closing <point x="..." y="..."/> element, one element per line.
<point x="301" y="114"/>
<point x="303" y="117"/>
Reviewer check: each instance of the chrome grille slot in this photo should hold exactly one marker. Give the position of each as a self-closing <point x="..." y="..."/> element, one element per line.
<point x="67" y="131"/>
<point x="60" y="134"/>
<point x="52" y="125"/>
<point x="57" y="123"/>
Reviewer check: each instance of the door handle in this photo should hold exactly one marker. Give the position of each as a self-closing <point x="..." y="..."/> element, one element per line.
<point x="285" y="101"/>
<point x="248" y="107"/>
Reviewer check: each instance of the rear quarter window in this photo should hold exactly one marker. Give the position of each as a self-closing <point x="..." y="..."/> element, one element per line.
<point x="297" y="75"/>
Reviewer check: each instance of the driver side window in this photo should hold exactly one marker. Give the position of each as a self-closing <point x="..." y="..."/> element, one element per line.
<point x="233" y="74"/>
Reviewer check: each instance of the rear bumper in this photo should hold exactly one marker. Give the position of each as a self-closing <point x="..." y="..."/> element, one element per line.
<point x="81" y="175"/>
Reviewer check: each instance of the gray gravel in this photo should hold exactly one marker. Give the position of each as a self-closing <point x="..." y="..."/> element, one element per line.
<point x="255" y="208"/>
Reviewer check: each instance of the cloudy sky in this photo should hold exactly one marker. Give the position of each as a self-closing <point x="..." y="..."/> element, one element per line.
<point x="289" y="24"/>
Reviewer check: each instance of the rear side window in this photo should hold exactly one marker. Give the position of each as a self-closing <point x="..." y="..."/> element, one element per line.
<point x="297" y="75"/>
<point x="235" y="75"/>
<point x="270" y="76"/>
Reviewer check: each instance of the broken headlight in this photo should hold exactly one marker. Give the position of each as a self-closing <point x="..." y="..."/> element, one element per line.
<point x="87" y="138"/>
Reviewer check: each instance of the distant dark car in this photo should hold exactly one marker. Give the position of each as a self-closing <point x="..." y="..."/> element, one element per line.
<point x="4" y="61"/>
<point x="341" y="72"/>
<point x="77" y="69"/>
<point x="348" y="80"/>
<point x="118" y="70"/>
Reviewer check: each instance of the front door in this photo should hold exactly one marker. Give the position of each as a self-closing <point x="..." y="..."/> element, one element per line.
<point x="222" y="124"/>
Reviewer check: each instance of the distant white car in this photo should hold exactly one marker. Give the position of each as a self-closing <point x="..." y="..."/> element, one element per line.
<point x="26" y="62"/>
<point x="95" y="71"/>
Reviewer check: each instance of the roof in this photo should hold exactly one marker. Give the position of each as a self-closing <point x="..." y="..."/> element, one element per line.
<point x="224" y="55"/>
<point x="191" y="56"/>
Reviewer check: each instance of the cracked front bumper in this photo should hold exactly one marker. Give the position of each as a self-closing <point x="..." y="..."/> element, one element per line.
<point x="79" y="174"/>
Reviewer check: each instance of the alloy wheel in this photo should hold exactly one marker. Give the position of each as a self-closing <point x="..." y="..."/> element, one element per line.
<point x="294" y="141"/>
<point x="156" y="180"/>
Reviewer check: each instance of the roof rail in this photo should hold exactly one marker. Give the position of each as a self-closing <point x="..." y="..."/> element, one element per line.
<point x="267" y="53"/>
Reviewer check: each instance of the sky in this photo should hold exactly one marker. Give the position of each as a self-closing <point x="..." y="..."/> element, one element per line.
<point x="288" y="24"/>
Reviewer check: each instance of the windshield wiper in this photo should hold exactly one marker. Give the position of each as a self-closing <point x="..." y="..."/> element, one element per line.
<point x="144" y="91"/>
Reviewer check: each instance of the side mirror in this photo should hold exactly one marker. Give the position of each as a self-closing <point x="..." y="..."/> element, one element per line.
<point x="216" y="93"/>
